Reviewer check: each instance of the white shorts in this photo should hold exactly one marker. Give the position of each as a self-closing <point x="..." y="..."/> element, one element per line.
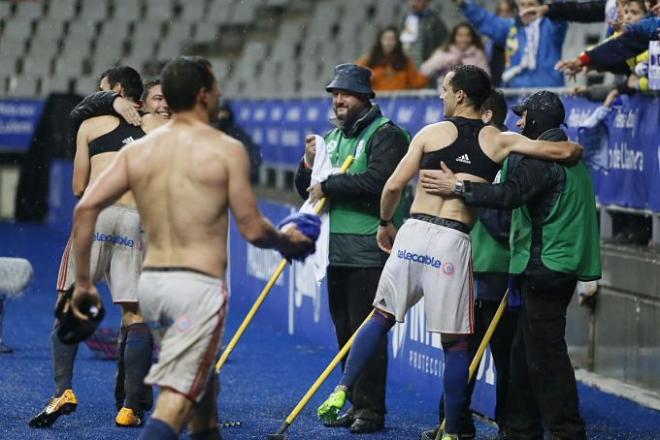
<point x="186" y="312"/>
<point x="435" y="262"/>
<point x="117" y="254"/>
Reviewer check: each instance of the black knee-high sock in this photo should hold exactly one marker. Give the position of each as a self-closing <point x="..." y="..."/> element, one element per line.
<point x="64" y="357"/>
<point x="120" y="377"/>
<point x="137" y="361"/>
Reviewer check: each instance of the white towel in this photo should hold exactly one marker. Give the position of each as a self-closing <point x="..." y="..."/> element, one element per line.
<point x="320" y="171"/>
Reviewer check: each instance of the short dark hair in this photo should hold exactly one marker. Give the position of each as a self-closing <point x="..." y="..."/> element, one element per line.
<point x="148" y="85"/>
<point x="496" y="104"/>
<point x="182" y="78"/>
<point x="129" y="78"/>
<point x="474" y="81"/>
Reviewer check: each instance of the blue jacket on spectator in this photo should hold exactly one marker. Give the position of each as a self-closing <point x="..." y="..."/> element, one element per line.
<point x="510" y="32"/>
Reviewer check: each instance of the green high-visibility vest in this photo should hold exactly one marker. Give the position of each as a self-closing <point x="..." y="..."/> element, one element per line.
<point x="360" y="217"/>
<point x="488" y="254"/>
<point x="571" y="242"/>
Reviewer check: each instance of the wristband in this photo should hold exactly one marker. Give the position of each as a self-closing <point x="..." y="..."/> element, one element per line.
<point x="384" y="223"/>
<point x="585" y="58"/>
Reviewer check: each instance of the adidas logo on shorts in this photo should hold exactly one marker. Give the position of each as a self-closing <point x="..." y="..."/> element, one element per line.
<point x="464" y="159"/>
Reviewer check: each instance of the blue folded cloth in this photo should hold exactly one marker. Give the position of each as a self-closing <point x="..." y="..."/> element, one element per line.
<point x="308" y="224"/>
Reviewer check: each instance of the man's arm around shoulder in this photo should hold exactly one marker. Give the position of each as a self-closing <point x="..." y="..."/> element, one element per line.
<point x="510" y="142"/>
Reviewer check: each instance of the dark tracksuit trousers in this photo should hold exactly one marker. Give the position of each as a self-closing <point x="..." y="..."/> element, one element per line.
<point x="542" y="387"/>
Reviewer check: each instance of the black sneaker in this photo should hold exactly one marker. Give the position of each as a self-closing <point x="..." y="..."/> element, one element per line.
<point x="343" y="421"/>
<point x="366" y="426"/>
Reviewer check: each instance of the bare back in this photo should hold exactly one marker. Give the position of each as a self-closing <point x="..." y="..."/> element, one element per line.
<point x="436" y="137"/>
<point x="179" y="177"/>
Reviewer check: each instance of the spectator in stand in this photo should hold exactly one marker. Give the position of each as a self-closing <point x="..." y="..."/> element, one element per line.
<point x="581" y="12"/>
<point x="422" y="31"/>
<point x="624" y="52"/>
<point x="464" y="47"/>
<point x="532" y="46"/>
<point x="391" y="68"/>
<point x="495" y="52"/>
<point x="225" y="122"/>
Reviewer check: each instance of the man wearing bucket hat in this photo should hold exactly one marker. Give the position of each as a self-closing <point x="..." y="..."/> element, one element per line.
<point x="377" y="145"/>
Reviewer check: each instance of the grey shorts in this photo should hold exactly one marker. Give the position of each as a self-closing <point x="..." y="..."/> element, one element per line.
<point x="117" y="254"/>
<point x="435" y="263"/>
<point x="186" y="313"/>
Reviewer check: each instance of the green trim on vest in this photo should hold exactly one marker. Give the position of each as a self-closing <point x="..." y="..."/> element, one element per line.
<point x="488" y="254"/>
<point x="571" y="242"/>
<point x="359" y="217"/>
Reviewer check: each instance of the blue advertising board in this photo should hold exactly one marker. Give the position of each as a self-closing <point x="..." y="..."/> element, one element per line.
<point x="18" y="122"/>
<point x="60" y="196"/>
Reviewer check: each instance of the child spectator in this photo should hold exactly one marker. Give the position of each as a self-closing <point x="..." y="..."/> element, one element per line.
<point x="391" y="68"/>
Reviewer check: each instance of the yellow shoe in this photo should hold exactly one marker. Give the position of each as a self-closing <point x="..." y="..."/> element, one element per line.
<point x="127" y="417"/>
<point x="63" y="404"/>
